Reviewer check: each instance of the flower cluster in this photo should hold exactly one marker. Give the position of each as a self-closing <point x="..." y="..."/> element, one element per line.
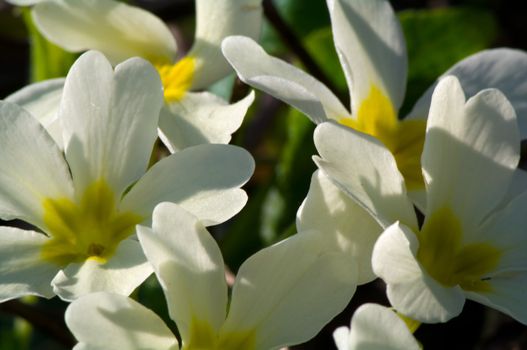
<point x="103" y="214"/>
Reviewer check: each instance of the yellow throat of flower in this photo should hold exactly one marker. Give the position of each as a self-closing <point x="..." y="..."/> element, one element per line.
<point x="203" y="337"/>
<point x="89" y="229"/>
<point x="377" y="117"/>
<point x="177" y="78"/>
<point x="450" y="261"/>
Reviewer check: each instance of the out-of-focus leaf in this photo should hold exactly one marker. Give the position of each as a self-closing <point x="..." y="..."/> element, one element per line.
<point x="304" y="16"/>
<point x="47" y="60"/>
<point x="438" y="38"/>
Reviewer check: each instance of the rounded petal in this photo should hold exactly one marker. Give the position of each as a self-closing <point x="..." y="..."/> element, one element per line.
<point x="118" y="30"/>
<point x="286" y="293"/>
<point x="507" y="294"/>
<point x="378" y="327"/>
<point x="371" y="47"/>
<point x="282" y="80"/>
<point x="33" y="167"/>
<point x="42" y="100"/>
<point x="471" y="152"/>
<point x="205" y="180"/>
<point x="409" y="288"/>
<point x="365" y="170"/>
<point x="216" y="20"/>
<point x="503" y="69"/>
<point x="189" y="267"/>
<point x="342" y="222"/>
<point x="124" y="272"/>
<point x="201" y="118"/>
<point x="110" y="321"/>
<point x="110" y="120"/>
<point x="22" y="271"/>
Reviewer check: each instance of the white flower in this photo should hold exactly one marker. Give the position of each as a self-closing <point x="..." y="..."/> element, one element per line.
<point x="281" y="296"/>
<point x="372" y="51"/>
<point x="375" y="327"/>
<point x="472" y="243"/>
<point x="88" y="200"/>
<point x="121" y="31"/>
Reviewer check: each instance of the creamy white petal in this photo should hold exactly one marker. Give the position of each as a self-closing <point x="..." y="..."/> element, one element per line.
<point x="342" y="222"/>
<point x="378" y="327"/>
<point x="504" y="69"/>
<point x="118" y="30"/>
<point x="371" y="48"/>
<point x="507" y="294"/>
<point x="282" y="80"/>
<point x="471" y="152"/>
<point x="216" y="20"/>
<point x="33" y="167"/>
<point x="201" y="118"/>
<point x="124" y="272"/>
<point x="189" y="266"/>
<point x="286" y="293"/>
<point x="22" y="270"/>
<point x="110" y="120"/>
<point x="366" y="170"/>
<point x="341" y="338"/>
<point x="110" y="321"/>
<point x="24" y="2"/>
<point x="42" y="100"/>
<point x="204" y="179"/>
<point x="409" y="288"/>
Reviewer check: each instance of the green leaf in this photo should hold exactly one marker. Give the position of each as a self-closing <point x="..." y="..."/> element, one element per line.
<point x="47" y="60"/>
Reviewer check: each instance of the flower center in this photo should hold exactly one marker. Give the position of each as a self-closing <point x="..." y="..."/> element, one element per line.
<point x="203" y="336"/>
<point x="176" y="78"/>
<point x="89" y="229"/>
<point x="451" y="262"/>
<point x="377" y="117"/>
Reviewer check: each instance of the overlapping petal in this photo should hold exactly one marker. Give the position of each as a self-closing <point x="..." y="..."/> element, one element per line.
<point x="118" y="30"/>
<point x="109" y="120"/>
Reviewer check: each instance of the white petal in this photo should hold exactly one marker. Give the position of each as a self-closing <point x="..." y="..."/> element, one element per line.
<point x="203" y="179"/>
<point x="42" y="100"/>
<point x="366" y="170"/>
<point x="189" y="266"/>
<point x="507" y="294"/>
<point x="118" y="30"/>
<point x="377" y="327"/>
<point x="341" y="337"/>
<point x="286" y="293"/>
<point x="470" y="153"/>
<point x="216" y="20"/>
<point x="282" y="80"/>
<point x="24" y="2"/>
<point x="371" y="48"/>
<point x="110" y="321"/>
<point x="409" y="288"/>
<point x="504" y="69"/>
<point x="22" y="270"/>
<point x="342" y="222"/>
<point x="201" y="118"/>
<point x="124" y="272"/>
<point x="33" y="167"/>
<point x="110" y="120"/>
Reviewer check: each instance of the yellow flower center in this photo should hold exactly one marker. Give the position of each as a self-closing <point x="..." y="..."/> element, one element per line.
<point x="203" y="337"/>
<point x="451" y="262"/>
<point x="377" y="117"/>
<point x="90" y="229"/>
<point x="176" y="78"/>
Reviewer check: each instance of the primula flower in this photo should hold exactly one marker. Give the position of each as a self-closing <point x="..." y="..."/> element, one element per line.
<point x="375" y="327"/>
<point x="281" y="296"/>
<point x="472" y="243"/>
<point x="88" y="200"/>
<point x="372" y="51"/>
<point x="121" y="31"/>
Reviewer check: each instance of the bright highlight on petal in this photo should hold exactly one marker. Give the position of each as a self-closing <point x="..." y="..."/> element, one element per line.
<point x="89" y="229"/>
<point x="177" y="78"/>
<point x="377" y="117"/>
